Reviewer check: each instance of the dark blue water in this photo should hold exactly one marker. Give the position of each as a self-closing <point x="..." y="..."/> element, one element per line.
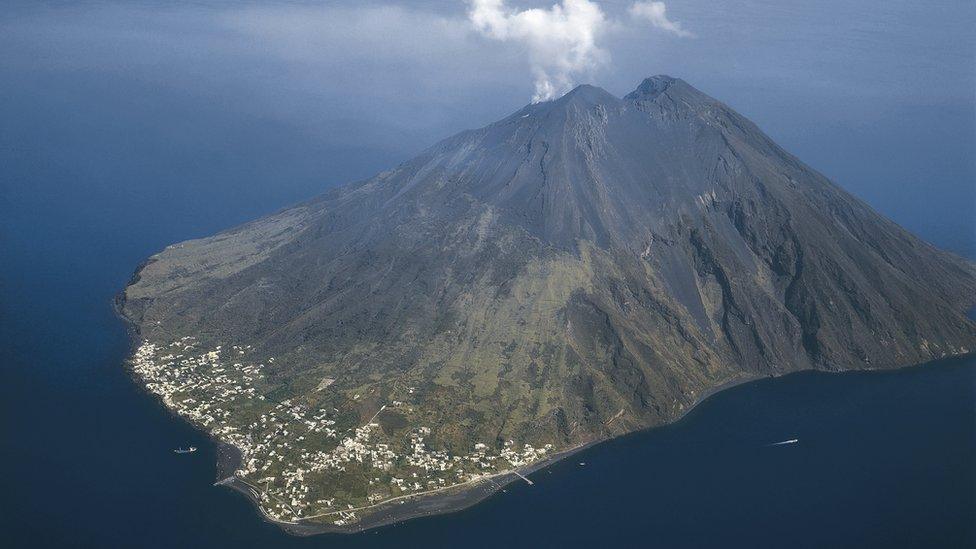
<point x="97" y="173"/>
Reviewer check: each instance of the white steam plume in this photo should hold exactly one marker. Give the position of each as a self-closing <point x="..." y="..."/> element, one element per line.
<point x="656" y="14"/>
<point x="561" y="41"/>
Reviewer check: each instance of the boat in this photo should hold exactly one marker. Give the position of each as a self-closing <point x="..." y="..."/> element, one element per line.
<point x="185" y="450"/>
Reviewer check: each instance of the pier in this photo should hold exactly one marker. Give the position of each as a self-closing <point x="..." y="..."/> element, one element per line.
<point x="523" y="477"/>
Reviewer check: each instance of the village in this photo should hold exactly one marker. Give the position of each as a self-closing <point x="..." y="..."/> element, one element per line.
<point x="301" y="462"/>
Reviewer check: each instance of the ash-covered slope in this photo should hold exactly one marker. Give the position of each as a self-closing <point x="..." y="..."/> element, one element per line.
<point x="583" y="268"/>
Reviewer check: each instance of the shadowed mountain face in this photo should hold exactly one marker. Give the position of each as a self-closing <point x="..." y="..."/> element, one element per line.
<point x="583" y="268"/>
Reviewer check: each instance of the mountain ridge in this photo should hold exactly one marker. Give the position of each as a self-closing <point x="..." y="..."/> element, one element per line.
<point x="580" y="269"/>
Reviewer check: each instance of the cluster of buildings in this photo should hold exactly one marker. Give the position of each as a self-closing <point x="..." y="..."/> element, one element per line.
<point x="356" y="448"/>
<point x="287" y="448"/>
<point x="180" y="378"/>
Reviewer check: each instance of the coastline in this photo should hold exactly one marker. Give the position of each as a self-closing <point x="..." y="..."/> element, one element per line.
<point x="444" y="501"/>
<point x="453" y="498"/>
<point x="458" y="498"/>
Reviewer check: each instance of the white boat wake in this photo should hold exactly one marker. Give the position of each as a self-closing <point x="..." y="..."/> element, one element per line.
<point x="782" y="442"/>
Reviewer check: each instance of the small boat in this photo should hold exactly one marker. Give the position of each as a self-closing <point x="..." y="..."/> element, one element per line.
<point x="782" y="442"/>
<point x="189" y="450"/>
<point x="582" y="463"/>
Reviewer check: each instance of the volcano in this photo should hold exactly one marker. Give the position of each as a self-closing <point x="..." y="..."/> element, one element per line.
<point x="584" y="268"/>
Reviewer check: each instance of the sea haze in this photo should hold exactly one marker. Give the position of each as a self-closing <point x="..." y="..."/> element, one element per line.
<point x="123" y="132"/>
